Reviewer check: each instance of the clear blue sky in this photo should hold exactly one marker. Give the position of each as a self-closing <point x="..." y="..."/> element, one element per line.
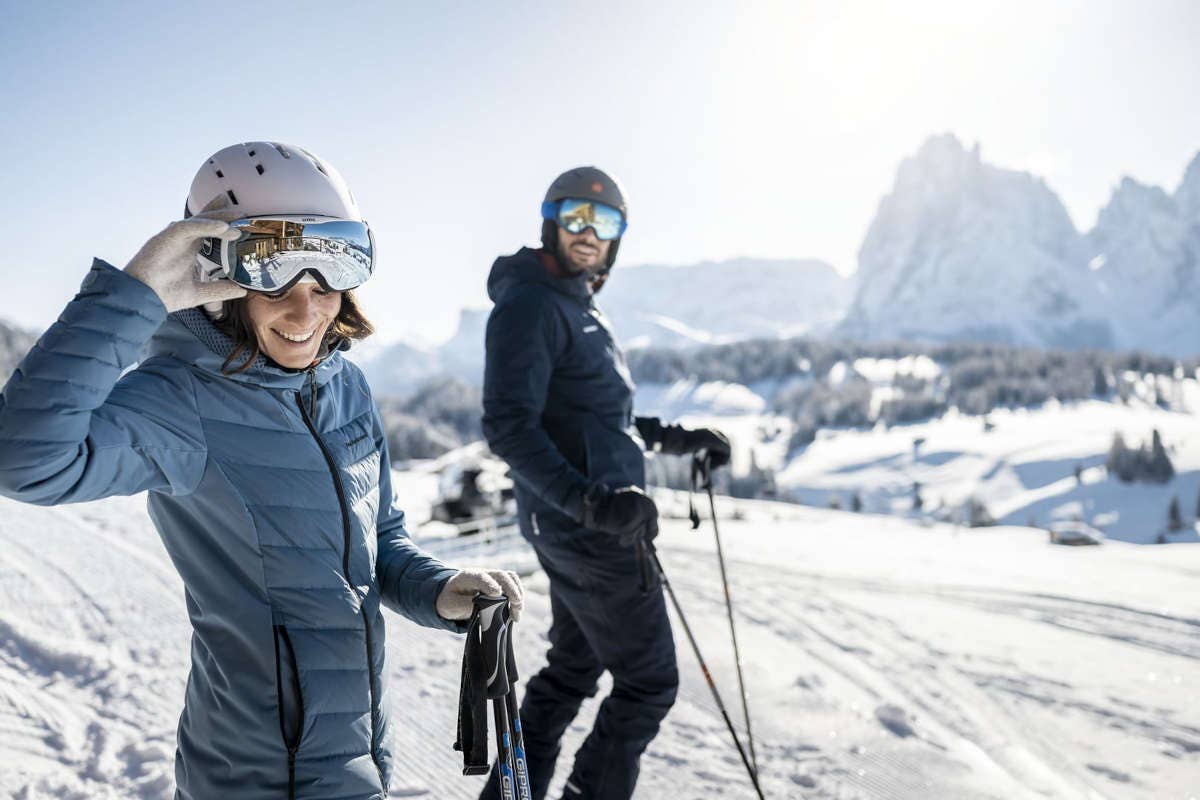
<point x="750" y="128"/>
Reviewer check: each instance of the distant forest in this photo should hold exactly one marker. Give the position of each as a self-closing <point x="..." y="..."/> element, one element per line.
<point x="795" y="377"/>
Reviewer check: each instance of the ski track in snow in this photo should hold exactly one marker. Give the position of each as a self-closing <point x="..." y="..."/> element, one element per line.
<point x="862" y="685"/>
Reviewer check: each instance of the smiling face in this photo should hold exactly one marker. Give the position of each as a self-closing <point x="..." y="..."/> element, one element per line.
<point x="582" y="251"/>
<point x="290" y="327"/>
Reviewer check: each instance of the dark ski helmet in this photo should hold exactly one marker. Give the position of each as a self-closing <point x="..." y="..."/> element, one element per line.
<point x="585" y="183"/>
<point x="588" y="183"/>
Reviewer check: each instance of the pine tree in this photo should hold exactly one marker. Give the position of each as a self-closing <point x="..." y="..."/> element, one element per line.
<point x="1160" y="469"/>
<point x="1120" y="460"/>
<point x="856" y="504"/>
<point x="977" y="514"/>
<point x="917" y="502"/>
<point x="1174" y="520"/>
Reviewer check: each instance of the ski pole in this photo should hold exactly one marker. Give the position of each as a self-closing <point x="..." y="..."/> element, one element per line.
<point x="705" y="470"/>
<point x="514" y="723"/>
<point x="504" y="752"/>
<point x="653" y="554"/>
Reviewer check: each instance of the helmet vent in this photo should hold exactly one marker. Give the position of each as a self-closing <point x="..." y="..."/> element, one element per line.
<point x="319" y="167"/>
<point x="283" y="152"/>
<point x="260" y="169"/>
<point x="232" y="197"/>
<point x="251" y="154"/>
<point x="220" y="174"/>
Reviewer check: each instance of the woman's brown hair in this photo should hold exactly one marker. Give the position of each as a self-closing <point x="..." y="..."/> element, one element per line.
<point x="350" y="323"/>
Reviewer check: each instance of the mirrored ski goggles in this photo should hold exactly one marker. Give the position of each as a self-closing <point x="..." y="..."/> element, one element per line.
<point x="576" y="216"/>
<point x="274" y="252"/>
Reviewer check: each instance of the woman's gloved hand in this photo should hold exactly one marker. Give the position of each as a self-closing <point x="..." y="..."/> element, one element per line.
<point x="167" y="264"/>
<point x="457" y="598"/>
<point x="680" y="441"/>
<point x="625" y="513"/>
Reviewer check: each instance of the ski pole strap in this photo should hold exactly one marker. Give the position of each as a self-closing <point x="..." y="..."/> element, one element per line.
<point x="648" y="579"/>
<point x="484" y="675"/>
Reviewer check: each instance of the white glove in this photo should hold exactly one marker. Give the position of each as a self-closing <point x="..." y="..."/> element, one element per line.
<point x="457" y="598"/>
<point x="167" y="264"/>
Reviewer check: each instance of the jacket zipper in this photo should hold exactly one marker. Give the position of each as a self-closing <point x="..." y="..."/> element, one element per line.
<point x="291" y="742"/>
<point x="341" y="495"/>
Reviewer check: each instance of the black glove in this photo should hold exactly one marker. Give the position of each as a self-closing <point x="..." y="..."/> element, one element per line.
<point x="680" y="441"/>
<point x="625" y="513"/>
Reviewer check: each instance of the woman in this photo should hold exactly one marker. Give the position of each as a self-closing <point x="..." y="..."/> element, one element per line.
<point x="266" y="466"/>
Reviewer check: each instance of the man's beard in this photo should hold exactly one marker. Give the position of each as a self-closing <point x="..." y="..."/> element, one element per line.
<point x="569" y="264"/>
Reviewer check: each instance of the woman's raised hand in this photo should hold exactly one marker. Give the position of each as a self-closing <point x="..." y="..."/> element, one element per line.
<point x="167" y="264"/>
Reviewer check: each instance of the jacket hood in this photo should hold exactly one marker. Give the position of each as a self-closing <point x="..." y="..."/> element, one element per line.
<point x="524" y="267"/>
<point x="190" y="336"/>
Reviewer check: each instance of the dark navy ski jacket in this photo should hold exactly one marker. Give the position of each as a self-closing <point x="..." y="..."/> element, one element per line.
<point x="557" y="394"/>
<point x="272" y="492"/>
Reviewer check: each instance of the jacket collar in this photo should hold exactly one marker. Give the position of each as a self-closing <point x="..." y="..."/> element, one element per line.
<point x="530" y="266"/>
<point x="190" y="336"/>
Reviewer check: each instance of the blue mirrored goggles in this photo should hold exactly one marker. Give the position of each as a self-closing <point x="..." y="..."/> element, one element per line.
<point x="576" y="216"/>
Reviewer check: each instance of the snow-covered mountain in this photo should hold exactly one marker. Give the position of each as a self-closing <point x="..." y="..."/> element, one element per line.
<point x="718" y="301"/>
<point x="961" y="249"/>
<point x="1145" y="252"/>
<point x="397" y="369"/>
<point x="706" y="303"/>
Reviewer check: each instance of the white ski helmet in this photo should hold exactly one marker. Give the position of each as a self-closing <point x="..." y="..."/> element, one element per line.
<point x="262" y="178"/>
<point x="258" y="179"/>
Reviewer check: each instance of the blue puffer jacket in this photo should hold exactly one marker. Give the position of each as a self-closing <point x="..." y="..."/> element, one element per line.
<point x="557" y="394"/>
<point x="272" y="492"/>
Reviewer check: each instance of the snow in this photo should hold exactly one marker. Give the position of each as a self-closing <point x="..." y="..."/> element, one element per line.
<point x="688" y="396"/>
<point x="883" y="371"/>
<point x="1022" y="469"/>
<point x="885" y="659"/>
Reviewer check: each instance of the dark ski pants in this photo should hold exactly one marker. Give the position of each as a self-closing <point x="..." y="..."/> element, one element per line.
<point x="601" y="621"/>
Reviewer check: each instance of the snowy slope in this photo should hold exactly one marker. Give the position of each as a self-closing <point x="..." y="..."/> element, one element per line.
<point x="1020" y="463"/>
<point x="1022" y="468"/>
<point x="885" y="660"/>
<point x="961" y="249"/>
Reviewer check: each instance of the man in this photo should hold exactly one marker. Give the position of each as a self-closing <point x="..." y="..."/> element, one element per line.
<point x="558" y="407"/>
